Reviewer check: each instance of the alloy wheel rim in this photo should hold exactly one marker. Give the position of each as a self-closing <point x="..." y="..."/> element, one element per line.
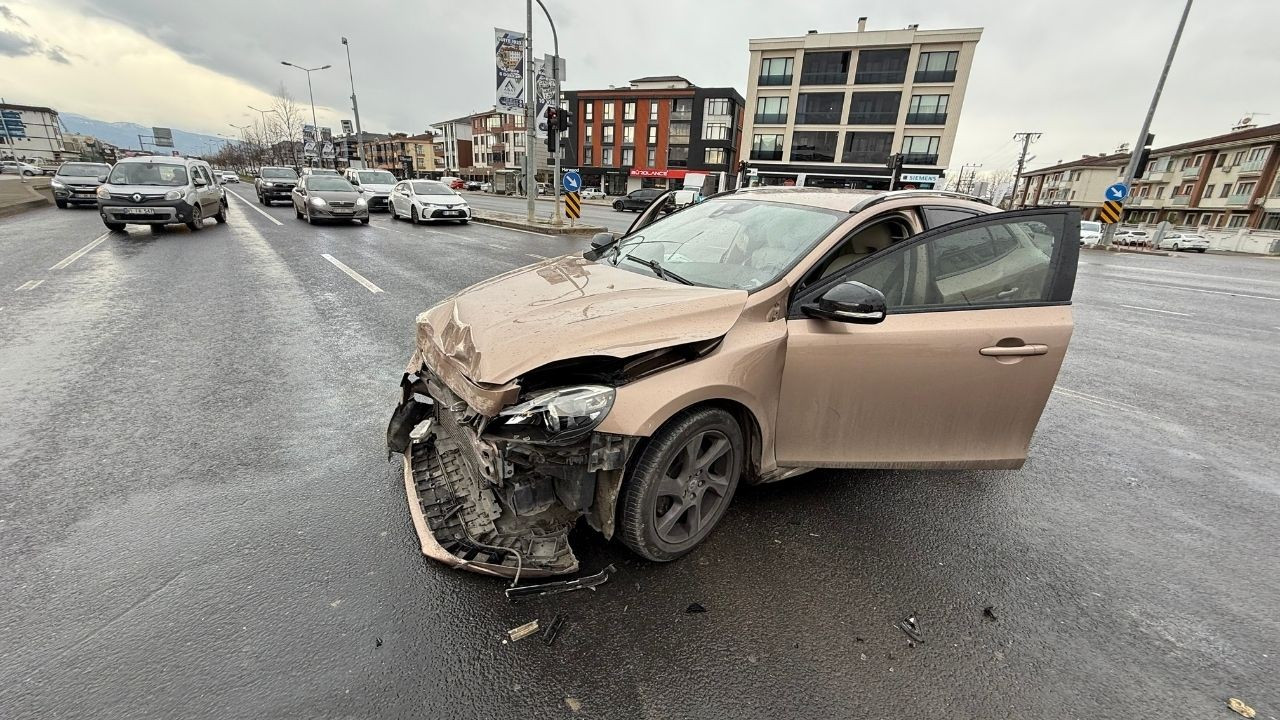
<point x="694" y="487"/>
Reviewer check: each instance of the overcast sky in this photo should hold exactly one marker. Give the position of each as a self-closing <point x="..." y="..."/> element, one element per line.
<point x="1079" y="72"/>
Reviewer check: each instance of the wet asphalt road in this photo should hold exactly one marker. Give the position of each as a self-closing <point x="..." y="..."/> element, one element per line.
<point x="199" y="519"/>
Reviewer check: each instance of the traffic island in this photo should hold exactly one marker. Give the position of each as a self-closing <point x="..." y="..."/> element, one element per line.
<point x="539" y="225"/>
<point x="17" y="196"/>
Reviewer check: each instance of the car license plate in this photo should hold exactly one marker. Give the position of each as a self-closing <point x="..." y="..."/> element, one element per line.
<point x="451" y="213"/>
<point x="139" y="211"/>
<point x="337" y="211"/>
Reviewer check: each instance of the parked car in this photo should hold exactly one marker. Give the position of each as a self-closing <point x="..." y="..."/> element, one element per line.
<point x="326" y="197"/>
<point x="1132" y="238"/>
<point x="1090" y="233"/>
<point x="17" y="167"/>
<point x="76" y="183"/>
<point x="473" y="185"/>
<point x="1184" y="241"/>
<point x="486" y="187"/>
<point x="229" y="177"/>
<point x="454" y="183"/>
<point x="744" y="339"/>
<point x="591" y="193"/>
<point x="637" y="200"/>
<point x="160" y="190"/>
<point x="428" y="201"/>
<point x="374" y="185"/>
<point x="275" y="183"/>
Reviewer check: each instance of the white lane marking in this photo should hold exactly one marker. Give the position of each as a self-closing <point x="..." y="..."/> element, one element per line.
<point x="352" y="273"/>
<point x="29" y="285"/>
<point x="536" y="257"/>
<point x="1123" y="268"/>
<point x="251" y="206"/>
<point x="81" y="252"/>
<point x="1104" y="402"/>
<point x="1199" y="290"/>
<point x="1154" y="310"/>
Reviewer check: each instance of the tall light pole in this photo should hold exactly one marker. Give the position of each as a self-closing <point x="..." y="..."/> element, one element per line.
<point x="315" y="126"/>
<point x="355" y="106"/>
<point x="555" y="75"/>
<point x="530" y="107"/>
<point x="265" y="127"/>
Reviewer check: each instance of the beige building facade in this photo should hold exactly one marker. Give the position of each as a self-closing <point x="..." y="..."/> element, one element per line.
<point x="829" y="109"/>
<point x="1081" y="183"/>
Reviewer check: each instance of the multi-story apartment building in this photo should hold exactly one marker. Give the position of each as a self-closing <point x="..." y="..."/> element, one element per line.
<point x="652" y="133"/>
<point x="1226" y="181"/>
<point x="828" y="109"/>
<point x="453" y="144"/>
<point x="498" y="145"/>
<point x="30" y="132"/>
<point x="1081" y="183"/>
<point x="405" y="156"/>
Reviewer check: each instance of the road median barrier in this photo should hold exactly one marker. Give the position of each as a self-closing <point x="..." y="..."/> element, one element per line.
<point x="539" y="225"/>
<point x="19" y="196"/>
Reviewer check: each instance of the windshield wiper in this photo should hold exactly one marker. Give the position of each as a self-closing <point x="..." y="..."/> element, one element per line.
<point x="658" y="270"/>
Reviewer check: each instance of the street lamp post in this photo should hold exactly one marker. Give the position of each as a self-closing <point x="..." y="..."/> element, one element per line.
<point x="555" y="76"/>
<point x="264" y="127"/>
<point x="315" y="126"/>
<point x="355" y="106"/>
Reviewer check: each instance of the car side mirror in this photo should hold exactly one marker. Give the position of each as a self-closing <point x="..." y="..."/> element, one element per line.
<point x="851" y="302"/>
<point x="102" y="178"/>
<point x="200" y="182"/>
<point x="600" y="243"/>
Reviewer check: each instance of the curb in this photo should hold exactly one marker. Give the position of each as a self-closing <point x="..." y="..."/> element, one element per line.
<point x="536" y="227"/>
<point x="20" y="206"/>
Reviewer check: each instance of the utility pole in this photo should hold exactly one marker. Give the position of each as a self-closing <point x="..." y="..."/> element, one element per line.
<point x="1132" y="169"/>
<point x="315" y="126"/>
<point x="555" y="75"/>
<point x="355" y="106"/>
<point x="530" y="107"/>
<point x="1027" y="138"/>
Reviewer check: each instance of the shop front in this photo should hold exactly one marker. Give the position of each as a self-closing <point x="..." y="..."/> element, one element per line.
<point x="669" y="179"/>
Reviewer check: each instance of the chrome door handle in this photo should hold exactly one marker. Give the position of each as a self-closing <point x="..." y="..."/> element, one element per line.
<point x="1006" y="293"/>
<point x="1004" y="351"/>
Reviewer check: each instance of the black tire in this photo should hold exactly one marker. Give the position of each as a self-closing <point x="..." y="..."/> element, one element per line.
<point x="364" y="221"/>
<point x="464" y="222"/>
<point x="297" y="212"/>
<point x="649" y="497"/>
<point x="310" y="220"/>
<point x="28" y="173"/>
<point x="197" y="219"/>
<point x="618" y="206"/>
<point x="62" y="204"/>
<point x="413" y="215"/>
<point x="221" y="217"/>
<point x="1200" y="250"/>
<point x="157" y="229"/>
<point x="1175" y="247"/>
<point x="114" y="227"/>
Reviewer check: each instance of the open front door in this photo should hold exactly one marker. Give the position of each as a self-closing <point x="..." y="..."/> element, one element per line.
<point x="959" y="370"/>
<point x="658" y="209"/>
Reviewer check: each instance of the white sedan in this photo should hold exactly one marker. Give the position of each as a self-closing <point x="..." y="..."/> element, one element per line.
<point x="428" y="201"/>
<point x="1184" y="241"/>
<point x="592" y="193"/>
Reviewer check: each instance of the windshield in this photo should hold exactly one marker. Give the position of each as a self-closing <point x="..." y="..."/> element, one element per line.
<point x="317" y="171"/>
<point x="1090" y="226"/>
<point x="279" y="173"/>
<point x="328" y="182"/>
<point x="377" y="177"/>
<point x="145" y="173"/>
<point x="83" y="170"/>
<point x="432" y="188"/>
<point x="729" y="243"/>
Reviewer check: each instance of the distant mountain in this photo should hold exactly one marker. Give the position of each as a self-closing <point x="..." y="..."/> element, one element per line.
<point x="125" y="135"/>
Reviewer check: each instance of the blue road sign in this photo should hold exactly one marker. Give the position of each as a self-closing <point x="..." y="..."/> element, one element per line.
<point x="572" y="182"/>
<point x="1119" y="191"/>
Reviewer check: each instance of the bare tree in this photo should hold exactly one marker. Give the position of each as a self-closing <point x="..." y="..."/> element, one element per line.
<point x="287" y="118"/>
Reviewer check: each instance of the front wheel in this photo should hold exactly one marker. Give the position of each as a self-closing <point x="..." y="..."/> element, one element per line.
<point x="62" y="204"/>
<point x="413" y="214"/>
<point x="221" y="217"/>
<point x="114" y="227"/>
<point x="1200" y="250"/>
<point x="197" y="219"/>
<point x="682" y="484"/>
<point x="1175" y="247"/>
<point x="364" y="221"/>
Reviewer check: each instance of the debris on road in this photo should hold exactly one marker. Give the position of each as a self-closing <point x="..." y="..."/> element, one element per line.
<point x="589" y="582"/>
<point x="553" y="629"/>
<point x="695" y="608"/>
<point x="911" y="627"/>
<point x="574" y="704"/>
<point x="523" y="631"/>
<point x="1242" y="709"/>
<point x="989" y="612"/>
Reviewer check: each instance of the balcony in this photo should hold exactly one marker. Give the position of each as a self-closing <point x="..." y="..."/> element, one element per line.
<point x="1271" y="204"/>
<point x="1190" y="172"/>
<point x="766" y="154"/>
<point x="1156" y="175"/>
<point x="825" y="117"/>
<point x="1239" y="198"/>
<point x="873" y="118"/>
<point x="866" y="157"/>
<point x="1253" y="167"/>
<point x="1180" y="199"/>
<point x="773" y="80"/>
<point x="681" y="115"/>
<point x="880" y="77"/>
<point x="919" y="159"/>
<point x="824" y="78"/>
<point x="771" y="118"/>
<point x="926" y="118"/>
<point x="935" y="76"/>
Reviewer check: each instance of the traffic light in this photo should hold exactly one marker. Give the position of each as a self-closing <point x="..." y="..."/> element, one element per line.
<point x="566" y="119"/>
<point x="894" y="163"/>
<point x="1144" y="155"/>
<point x="553" y="128"/>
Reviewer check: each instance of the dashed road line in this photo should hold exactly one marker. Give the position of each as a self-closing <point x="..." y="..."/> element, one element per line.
<point x="536" y="257"/>
<point x="259" y="210"/>
<point x="1199" y="290"/>
<point x="29" y="285"/>
<point x="1154" y="310"/>
<point x="81" y="252"/>
<point x="352" y="273"/>
<point x="1104" y="402"/>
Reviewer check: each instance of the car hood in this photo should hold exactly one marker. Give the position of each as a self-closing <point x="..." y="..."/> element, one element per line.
<point x="376" y="188"/>
<point x="441" y="199"/>
<point x="330" y="195"/>
<point x="146" y="190"/>
<point x="566" y="308"/>
<point x="78" y="181"/>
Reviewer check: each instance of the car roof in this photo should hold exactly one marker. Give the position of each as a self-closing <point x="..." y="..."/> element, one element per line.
<point x="848" y="200"/>
<point x="156" y="160"/>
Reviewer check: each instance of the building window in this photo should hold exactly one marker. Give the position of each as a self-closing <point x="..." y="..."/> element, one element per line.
<point x="867" y="148"/>
<point x="679" y="134"/>
<point x="1184" y="189"/>
<point x="606" y="137"/>
<point x="682" y="109"/>
<point x="937" y="67"/>
<point x="920" y="149"/>
<point x="653" y="134"/>
<point x="874" y="108"/>
<point x="628" y="157"/>
<point x="825" y="68"/>
<point x="586" y="156"/>
<point x="608" y="111"/>
<point x="652" y="156"/>
<point x="1222" y="159"/>
<point x="1245" y="188"/>
<point x="588" y="129"/>
<point x="1237" y="221"/>
<point x="1226" y="189"/>
<point x="812" y="146"/>
<point x="628" y="134"/>
<point x="715" y="131"/>
<point x="678" y="156"/>
<point x="653" y="110"/>
<point x="629" y="110"/>
<point x="928" y="110"/>
<point x="588" y="111"/>
<point x="771" y="110"/>
<point x="1160" y="192"/>
<point x="766" y="147"/>
<point x="879" y="67"/>
<point x="606" y="156"/>
<point x="1259" y="153"/>
<point x="717" y="106"/>
<point x="775" y="71"/>
<point x="819" y="108"/>
<point x="1208" y="191"/>
<point x="715" y="156"/>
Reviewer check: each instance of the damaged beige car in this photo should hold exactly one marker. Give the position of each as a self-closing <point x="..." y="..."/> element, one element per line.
<point x="744" y="339"/>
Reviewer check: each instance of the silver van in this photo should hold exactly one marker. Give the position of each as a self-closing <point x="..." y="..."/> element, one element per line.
<point x="159" y="191"/>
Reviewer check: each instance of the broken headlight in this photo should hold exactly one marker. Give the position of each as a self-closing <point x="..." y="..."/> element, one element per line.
<point x="555" y="416"/>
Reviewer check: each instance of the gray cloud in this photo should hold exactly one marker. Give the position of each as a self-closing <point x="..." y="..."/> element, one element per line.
<point x="57" y="55"/>
<point x="10" y="15"/>
<point x="15" y="45"/>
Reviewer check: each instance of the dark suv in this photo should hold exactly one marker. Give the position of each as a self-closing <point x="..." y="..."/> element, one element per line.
<point x="637" y="200"/>
<point x="76" y="183"/>
<point x="275" y="183"/>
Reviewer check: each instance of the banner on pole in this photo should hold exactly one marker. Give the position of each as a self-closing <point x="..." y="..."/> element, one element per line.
<point x="509" y="65"/>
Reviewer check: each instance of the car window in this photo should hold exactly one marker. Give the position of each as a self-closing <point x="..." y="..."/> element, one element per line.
<point x="935" y="216"/>
<point x="1004" y="261"/>
<point x="146" y="173"/>
<point x="431" y="187"/>
<point x="278" y="173"/>
<point x="329" y="183"/>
